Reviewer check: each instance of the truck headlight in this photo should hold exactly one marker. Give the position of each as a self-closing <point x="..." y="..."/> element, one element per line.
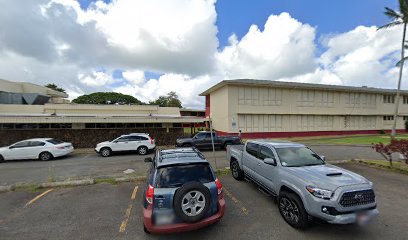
<point x="320" y="193"/>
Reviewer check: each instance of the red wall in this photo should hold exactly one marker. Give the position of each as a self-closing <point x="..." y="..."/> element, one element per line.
<point x="207" y="105"/>
<point x="303" y="134"/>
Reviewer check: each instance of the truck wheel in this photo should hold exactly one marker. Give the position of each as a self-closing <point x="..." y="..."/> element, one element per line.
<point x="292" y="210"/>
<point x="236" y="171"/>
<point x="192" y="202"/>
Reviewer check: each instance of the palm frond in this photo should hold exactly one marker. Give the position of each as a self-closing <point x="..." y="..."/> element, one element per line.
<point x="391" y="24"/>
<point x="401" y="61"/>
<point x="392" y="14"/>
<point x="403" y="6"/>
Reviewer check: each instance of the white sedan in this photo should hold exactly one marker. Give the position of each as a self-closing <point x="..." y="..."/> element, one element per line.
<point x="37" y="148"/>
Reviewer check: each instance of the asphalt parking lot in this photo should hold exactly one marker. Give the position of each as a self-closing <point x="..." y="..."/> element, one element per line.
<point x="89" y="164"/>
<point x="105" y="211"/>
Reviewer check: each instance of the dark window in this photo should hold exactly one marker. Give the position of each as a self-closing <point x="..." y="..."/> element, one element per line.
<point x="36" y="144"/>
<point x="405" y="118"/>
<point x="200" y="135"/>
<point x="90" y="125"/>
<point x="137" y="138"/>
<point x="8" y="125"/>
<point x="21" y="144"/>
<point x="153" y="125"/>
<point x="101" y="125"/>
<point x="177" y="125"/>
<point x="175" y="176"/>
<point x="140" y="125"/>
<point x="265" y="152"/>
<point x="123" y="139"/>
<point x="130" y="125"/>
<point x="298" y="156"/>
<point x="388" y="118"/>
<point x="55" y="141"/>
<point x="252" y="148"/>
<point x="388" y="98"/>
<point x="44" y="125"/>
<point x="405" y="100"/>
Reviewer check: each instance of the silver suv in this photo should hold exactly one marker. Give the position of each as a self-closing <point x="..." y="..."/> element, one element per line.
<point x="306" y="186"/>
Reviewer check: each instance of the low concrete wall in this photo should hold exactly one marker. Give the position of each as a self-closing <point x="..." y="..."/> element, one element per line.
<point x="88" y="138"/>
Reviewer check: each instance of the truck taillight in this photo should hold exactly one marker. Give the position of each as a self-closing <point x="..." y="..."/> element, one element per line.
<point x="219" y="187"/>
<point x="150" y="194"/>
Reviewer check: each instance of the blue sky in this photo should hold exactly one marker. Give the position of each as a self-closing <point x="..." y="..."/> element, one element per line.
<point x="236" y="16"/>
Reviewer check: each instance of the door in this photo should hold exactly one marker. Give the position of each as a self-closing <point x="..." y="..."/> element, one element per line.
<point x="19" y="150"/>
<point x="121" y="144"/>
<point x="135" y="142"/>
<point x="199" y="140"/>
<point x="207" y="142"/>
<point x="35" y="148"/>
<point x="250" y="160"/>
<point x="267" y="172"/>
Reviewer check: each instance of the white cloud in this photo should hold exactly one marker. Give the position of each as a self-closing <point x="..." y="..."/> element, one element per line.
<point x="46" y="41"/>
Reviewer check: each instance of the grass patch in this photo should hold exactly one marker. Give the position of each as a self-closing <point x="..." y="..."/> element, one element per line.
<point x="400" y="167"/>
<point x="222" y="172"/>
<point x="364" y="140"/>
<point x="28" y="188"/>
<point x="106" y="180"/>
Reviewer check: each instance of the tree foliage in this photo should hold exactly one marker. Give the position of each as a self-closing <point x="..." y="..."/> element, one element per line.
<point x="107" y="98"/>
<point x="169" y="100"/>
<point x="395" y="146"/>
<point x="54" y="86"/>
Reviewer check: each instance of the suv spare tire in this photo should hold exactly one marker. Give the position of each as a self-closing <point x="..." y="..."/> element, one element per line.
<point x="192" y="202"/>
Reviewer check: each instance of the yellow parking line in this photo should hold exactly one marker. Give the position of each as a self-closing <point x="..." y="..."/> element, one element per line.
<point x="125" y="221"/>
<point x="133" y="196"/>
<point x="236" y="201"/>
<point x="38" y="197"/>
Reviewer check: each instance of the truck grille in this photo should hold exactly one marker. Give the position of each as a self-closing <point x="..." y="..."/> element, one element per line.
<point x="350" y="199"/>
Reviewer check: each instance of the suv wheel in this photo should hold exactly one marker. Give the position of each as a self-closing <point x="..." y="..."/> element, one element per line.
<point x="192" y="202"/>
<point x="236" y="171"/>
<point x="105" y="152"/>
<point x="142" y="150"/>
<point x="1" y="159"/>
<point x="45" y="156"/>
<point x="292" y="210"/>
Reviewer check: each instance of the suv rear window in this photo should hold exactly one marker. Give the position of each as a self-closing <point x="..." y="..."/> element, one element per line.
<point x="55" y="141"/>
<point x="175" y="176"/>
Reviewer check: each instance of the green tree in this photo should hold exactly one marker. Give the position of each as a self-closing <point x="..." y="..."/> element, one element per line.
<point x="399" y="17"/>
<point x="53" y="86"/>
<point x="107" y="98"/>
<point x="169" y="100"/>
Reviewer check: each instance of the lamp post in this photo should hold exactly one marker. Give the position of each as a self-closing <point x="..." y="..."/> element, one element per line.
<point x="212" y="142"/>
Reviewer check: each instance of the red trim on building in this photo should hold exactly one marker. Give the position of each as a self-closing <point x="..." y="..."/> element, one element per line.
<point x="304" y="134"/>
<point x="207" y="106"/>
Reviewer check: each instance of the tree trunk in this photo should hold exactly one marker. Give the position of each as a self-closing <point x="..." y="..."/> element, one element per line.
<point x="394" y="126"/>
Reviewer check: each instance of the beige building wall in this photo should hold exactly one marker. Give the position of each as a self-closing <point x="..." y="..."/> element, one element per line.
<point x="277" y="109"/>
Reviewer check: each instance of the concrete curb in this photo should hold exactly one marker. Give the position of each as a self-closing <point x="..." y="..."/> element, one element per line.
<point x="334" y="145"/>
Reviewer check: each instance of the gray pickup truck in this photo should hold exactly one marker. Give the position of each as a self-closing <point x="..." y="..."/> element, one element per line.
<point x="305" y="185"/>
<point x="202" y="140"/>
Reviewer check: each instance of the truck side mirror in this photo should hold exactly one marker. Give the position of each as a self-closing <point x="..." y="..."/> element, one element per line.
<point x="148" y="159"/>
<point x="270" y="161"/>
<point x="323" y="158"/>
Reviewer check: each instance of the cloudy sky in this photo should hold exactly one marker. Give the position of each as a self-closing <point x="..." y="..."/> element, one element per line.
<point x="147" y="48"/>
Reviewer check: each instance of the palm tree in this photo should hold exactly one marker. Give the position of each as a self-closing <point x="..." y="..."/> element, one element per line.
<point x="398" y="18"/>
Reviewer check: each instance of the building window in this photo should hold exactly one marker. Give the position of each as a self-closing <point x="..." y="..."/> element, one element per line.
<point x="405" y="100"/>
<point x="388" y="118"/>
<point x="389" y="99"/>
<point x="177" y="125"/>
<point x="405" y="118"/>
<point x="26" y="126"/>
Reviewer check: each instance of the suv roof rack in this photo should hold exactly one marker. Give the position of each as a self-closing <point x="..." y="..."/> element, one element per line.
<point x="179" y="152"/>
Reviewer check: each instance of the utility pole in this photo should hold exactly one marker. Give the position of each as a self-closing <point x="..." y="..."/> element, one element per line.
<point x="212" y="143"/>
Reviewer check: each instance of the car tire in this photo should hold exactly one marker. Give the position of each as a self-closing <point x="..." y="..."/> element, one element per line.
<point x="142" y="150"/>
<point x="292" y="210"/>
<point x="45" y="156"/>
<point x="1" y="159"/>
<point x="192" y="202"/>
<point x="236" y="171"/>
<point x="105" y="152"/>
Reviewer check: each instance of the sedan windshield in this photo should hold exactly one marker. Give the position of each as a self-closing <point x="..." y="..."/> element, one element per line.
<point x="298" y="157"/>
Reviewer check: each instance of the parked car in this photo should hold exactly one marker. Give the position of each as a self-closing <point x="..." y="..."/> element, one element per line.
<point x="202" y="140"/>
<point x="182" y="192"/>
<point x="36" y="148"/>
<point x="140" y="142"/>
<point x="306" y="186"/>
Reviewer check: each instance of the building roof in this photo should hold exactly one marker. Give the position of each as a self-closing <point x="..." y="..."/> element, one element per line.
<point x="191" y="110"/>
<point x="180" y="156"/>
<point x="313" y="86"/>
<point x="25" y="87"/>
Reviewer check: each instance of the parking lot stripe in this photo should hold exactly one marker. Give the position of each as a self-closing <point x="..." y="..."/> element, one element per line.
<point x="236" y="201"/>
<point x="134" y="193"/>
<point x="125" y="221"/>
<point x="38" y="197"/>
